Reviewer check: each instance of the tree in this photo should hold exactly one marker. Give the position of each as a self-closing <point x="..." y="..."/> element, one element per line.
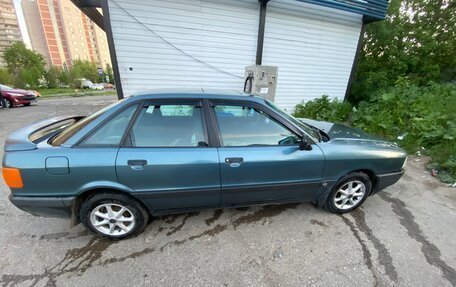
<point x="52" y="76"/>
<point x="5" y="77"/>
<point x="109" y="73"/>
<point x="84" y="69"/>
<point x="417" y="40"/>
<point x="25" y="66"/>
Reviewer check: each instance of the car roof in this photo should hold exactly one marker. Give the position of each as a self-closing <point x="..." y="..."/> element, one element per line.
<point x="202" y="93"/>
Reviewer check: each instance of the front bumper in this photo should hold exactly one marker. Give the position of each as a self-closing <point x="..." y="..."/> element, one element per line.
<point x="387" y="179"/>
<point x="24" y="100"/>
<point x="44" y="206"/>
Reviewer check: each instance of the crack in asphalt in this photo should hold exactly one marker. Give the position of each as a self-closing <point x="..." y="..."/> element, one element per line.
<point x="366" y="253"/>
<point x="87" y="255"/>
<point x="78" y="260"/>
<point x="383" y="255"/>
<point x="318" y="222"/>
<point x="215" y="217"/>
<point x="429" y="250"/>
<point x="179" y="227"/>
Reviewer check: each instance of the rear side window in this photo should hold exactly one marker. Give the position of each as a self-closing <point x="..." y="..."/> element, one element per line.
<point x="111" y="133"/>
<point x="71" y="130"/>
<point x="169" y="126"/>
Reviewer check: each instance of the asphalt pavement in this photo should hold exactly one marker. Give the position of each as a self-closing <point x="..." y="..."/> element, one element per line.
<point x="404" y="236"/>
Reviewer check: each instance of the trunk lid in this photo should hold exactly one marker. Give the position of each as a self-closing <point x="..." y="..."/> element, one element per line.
<point x="28" y="137"/>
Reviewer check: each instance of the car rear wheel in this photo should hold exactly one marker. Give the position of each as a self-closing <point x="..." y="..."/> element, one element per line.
<point x="113" y="215"/>
<point x="26" y="105"/>
<point x="349" y="193"/>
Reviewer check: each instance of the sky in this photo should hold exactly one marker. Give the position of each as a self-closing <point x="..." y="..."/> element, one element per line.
<point x="22" y="25"/>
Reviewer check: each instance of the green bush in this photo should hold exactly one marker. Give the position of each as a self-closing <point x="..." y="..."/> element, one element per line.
<point x="324" y="109"/>
<point x="424" y="117"/>
<point x="418" y="118"/>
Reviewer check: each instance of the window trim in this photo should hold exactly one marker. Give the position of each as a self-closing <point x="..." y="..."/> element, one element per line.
<point x="80" y="142"/>
<point x="125" y="143"/>
<point x="269" y="112"/>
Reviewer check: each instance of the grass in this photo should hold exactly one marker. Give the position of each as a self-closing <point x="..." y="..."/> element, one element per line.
<point x="67" y="92"/>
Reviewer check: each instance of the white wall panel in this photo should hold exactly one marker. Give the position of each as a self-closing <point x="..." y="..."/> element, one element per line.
<point x="157" y="42"/>
<point x="314" y="48"/>
<point x="208" y="43"/>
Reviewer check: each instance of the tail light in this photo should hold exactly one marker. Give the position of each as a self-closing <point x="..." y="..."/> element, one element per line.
<point x="13" y="178"/>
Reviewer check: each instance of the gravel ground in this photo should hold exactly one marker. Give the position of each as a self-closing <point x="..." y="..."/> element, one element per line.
<point x="404" y="236"/>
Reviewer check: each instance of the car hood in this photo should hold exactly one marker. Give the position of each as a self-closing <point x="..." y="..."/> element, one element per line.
<point x="20" y="91"/>
<point x="342" y="134"/>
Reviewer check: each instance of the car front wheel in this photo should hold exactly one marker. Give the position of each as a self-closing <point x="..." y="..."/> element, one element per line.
<point x="113" y="215"/>
<point x="9" y="104"/>
<point x="349" y="193"/>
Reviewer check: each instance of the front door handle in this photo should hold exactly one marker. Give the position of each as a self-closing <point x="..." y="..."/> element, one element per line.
<point x="137" y="164"/>
<point x="234" y="161"/>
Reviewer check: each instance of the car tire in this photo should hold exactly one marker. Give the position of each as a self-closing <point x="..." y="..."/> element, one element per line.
<point x="9" y="104"/>
<point x="26" y="105"/>
<point x="113" y="215"/>
<point x="348" y="193"/>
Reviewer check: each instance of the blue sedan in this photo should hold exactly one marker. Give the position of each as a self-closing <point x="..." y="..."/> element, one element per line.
<point x="172" y="151"/>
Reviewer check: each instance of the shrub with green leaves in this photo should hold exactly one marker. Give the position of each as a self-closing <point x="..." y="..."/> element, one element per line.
<point x="423" y="117"/>
<point x="324" y="109"/>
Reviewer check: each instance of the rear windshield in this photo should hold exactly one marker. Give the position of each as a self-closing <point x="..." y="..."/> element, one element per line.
<point x="71" y="130"/>
<point x="50" y="130"/>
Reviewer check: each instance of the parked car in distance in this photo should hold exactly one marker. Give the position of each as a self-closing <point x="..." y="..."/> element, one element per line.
<point x="17" y="97"/>
<point x="88" y="84"/>
<point x="173" y="151"/>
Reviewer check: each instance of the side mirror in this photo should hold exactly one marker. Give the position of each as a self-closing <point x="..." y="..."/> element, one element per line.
<point x="305" y="145"/>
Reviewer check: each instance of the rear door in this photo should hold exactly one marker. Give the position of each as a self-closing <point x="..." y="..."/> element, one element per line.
<point x="260" y="159"/>
<point x="167" y="159"/>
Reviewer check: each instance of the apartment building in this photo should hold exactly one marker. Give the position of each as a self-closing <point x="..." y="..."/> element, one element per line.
<point x="62" y="33"/>
<point x="9" y="27"/>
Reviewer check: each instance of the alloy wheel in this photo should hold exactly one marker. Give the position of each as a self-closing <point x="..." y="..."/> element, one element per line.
<point x="350" y="194"/>
<point x="112" y="219"/>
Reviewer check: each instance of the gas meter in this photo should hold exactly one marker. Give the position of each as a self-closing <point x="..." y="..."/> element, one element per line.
<point x="261" y="81"/>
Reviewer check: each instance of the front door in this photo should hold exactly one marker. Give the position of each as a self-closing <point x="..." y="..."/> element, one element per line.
<point x="167" y="161"/>
<point x="260" y="159"/>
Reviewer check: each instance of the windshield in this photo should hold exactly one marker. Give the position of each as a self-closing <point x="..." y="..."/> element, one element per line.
<point x="309" y="130"/>
<point x="67" y="133"/>
<point x="3" y="87"/>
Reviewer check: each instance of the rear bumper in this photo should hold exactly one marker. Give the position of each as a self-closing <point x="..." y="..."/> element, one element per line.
<point x="387" y="179"/>
<point x="44" y="206"/>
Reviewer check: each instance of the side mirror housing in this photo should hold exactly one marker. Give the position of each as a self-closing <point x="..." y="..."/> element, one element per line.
<point x="305" y="144"/>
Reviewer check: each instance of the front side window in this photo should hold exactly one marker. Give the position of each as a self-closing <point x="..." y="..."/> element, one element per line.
<point x="169" y="126"/>
<point x="247" y="126"/>
<point x="111" y="133"/>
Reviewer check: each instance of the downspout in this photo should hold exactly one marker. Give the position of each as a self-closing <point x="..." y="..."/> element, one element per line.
<point x="261" y="25"/>
<point x="356" y="59"/>
<point x="112" y="49"/>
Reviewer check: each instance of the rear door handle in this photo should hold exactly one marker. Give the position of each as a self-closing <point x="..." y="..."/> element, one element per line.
<point x="234" y="161"/>
<point x="137" y="164"/>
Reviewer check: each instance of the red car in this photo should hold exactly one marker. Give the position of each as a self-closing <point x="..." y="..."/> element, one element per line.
<point x="16" y="97"/>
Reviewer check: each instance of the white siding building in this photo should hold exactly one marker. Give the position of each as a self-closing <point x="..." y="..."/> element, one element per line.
<point x="208" y="43"/>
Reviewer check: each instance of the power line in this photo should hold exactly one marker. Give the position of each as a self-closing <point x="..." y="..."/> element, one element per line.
<point x="174" y="46"/>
